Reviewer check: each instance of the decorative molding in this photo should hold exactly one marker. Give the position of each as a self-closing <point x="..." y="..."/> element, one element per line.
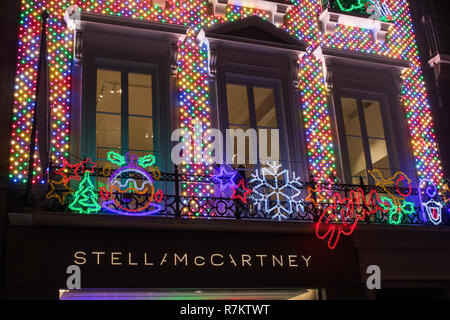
<point x="295" y="67"/>
<point x="398" y="82"/>
<point x="439" y="59"/>
<point x="277" y="10"/>
<point x="173" y="60"/>
<point x="212" y="62"/>
<point x="78" y="47"/>
<point x="329" y="21"/>
<point x="329" y="77"/>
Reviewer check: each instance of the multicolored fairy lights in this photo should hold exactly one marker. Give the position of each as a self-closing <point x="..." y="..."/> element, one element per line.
<point x="193" y="100"/>
<point x="301" y="21"/>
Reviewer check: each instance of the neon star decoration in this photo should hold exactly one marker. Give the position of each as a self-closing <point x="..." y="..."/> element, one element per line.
<point x="58" y="194"/>
<point x="69" y="171"/>
<point x="318" y="198"/>
<point x="88" y="165"/>
<point x="241" y="192"/>
<point x="225" y="177"/>
<point x="192" y="78"/>
<point x="276" y="192"/>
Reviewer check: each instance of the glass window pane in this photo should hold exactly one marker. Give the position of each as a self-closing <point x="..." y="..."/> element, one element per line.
<point x="237" y="105"/>
<point x="109" y="91"/>
<point x="374" y="122"/>
<point x="108" y="131"/>
<point x="265" y="107"/>
<point x="356" y="156"/>
<point x="351" y="116"/>
<point x="379" y="154"/>
<point x="140" y="94"/>
<point x="141" y="133"/>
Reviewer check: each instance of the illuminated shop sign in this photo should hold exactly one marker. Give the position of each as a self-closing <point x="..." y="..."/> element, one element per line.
<point x="168" y="259"/>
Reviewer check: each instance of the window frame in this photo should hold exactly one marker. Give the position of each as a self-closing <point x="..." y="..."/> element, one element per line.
<point x="251" y="82"/>
<point x="359" y="96"/>
<point x="89" y="114"/>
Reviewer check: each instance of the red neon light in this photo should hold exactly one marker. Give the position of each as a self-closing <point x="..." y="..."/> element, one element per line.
<point x="86" y="164"/>
<point x="159" y="195"/>
<point x="325" y="227"/>
<point x="402" y="177"/>
<point x="244" y="194"/>
<point x="67" y="167"/>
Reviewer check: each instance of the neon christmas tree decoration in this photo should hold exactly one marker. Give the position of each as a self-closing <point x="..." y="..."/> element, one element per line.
<point x="85" y="198"/>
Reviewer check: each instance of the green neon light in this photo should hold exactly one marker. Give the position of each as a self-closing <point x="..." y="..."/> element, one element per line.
<point x="85" y="198"/>
<point x="405" y="209"/>
<point x="116" y="158"/>
<point x="353" y="7"/>
<point x="147" y="161"/>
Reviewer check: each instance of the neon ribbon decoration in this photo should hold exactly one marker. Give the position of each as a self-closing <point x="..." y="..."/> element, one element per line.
<point x="332" y="223"/>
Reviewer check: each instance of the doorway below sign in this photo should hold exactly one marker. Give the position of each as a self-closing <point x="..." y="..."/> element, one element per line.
<point x="192" y="294"/>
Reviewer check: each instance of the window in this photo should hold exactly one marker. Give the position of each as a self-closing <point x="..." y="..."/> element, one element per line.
<point x="363" y="136"/>
<point x="252" y="107"/>
<point x="124" y="111"/>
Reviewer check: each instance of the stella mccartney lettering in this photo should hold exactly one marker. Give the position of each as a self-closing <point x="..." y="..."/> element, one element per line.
<point x="118" y="258"/>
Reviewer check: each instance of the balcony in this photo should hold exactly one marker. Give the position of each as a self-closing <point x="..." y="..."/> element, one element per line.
<point x="115" y="186"/>
<point x="437" y="33"/>
<point x="377" y="18"/>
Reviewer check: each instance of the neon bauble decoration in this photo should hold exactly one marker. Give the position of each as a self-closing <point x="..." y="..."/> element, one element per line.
<point x="128" y="196"/>
<point x="276" y="192"/>
<point x="85" y="199"/>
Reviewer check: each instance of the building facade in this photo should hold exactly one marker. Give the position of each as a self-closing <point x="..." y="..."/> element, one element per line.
<point x="107" y="94"/>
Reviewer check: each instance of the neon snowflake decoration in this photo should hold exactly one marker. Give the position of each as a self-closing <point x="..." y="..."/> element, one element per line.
<point x="275" y="192"/>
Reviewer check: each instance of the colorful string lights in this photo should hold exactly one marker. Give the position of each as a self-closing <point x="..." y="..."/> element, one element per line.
<point x="301" y="21"/>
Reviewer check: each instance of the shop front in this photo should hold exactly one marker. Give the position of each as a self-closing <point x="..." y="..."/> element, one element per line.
<point x="185" y="259"/>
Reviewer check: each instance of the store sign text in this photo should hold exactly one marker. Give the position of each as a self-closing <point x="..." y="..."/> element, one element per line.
<point x="118" y="258"/>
